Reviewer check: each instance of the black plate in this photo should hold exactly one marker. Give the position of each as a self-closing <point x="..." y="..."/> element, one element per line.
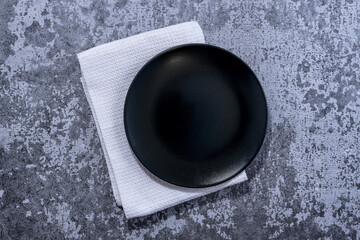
<point x="195" y="115"/>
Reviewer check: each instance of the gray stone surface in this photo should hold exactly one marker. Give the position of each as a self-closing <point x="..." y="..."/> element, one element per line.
<point x="305" y="182"/>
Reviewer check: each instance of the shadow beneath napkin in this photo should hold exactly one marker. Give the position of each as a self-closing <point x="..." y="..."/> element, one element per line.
<point x="177" y="211"/>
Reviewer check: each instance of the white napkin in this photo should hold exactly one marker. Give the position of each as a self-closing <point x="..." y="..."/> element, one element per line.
<point x="107" y="71"/>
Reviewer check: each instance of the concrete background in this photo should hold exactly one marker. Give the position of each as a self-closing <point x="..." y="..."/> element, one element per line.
<point x="304" y="184"/>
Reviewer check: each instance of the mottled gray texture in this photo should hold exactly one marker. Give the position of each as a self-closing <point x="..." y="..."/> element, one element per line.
<point x="305" y="182"/>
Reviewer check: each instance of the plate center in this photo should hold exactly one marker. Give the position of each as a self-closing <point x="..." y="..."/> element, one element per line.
<point x="198" y="115"/>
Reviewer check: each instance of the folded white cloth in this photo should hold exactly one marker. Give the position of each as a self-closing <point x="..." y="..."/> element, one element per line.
<point x="107" y="71"/>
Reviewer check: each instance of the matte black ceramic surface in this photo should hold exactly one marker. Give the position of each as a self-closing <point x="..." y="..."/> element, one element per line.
<point x="195" y="115"/>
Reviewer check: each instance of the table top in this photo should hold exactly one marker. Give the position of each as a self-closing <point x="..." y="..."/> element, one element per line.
<point x="304" y="183"/>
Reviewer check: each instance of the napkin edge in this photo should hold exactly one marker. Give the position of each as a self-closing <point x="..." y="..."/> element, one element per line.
<point x="238" y="179"/>
<point x="102" y="142"/>
<point x="110" y="45"/>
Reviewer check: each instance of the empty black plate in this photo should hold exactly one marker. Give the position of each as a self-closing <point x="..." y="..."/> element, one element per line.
<point x="195" y="115"/>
